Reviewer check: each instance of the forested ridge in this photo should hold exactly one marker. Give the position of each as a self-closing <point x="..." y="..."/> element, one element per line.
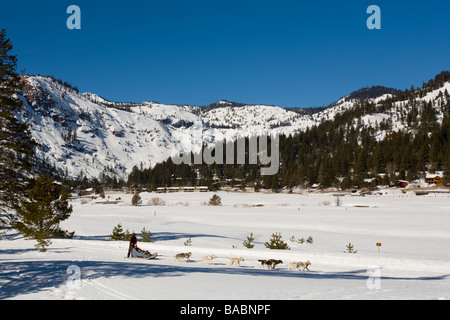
<point x="341" y="152"/>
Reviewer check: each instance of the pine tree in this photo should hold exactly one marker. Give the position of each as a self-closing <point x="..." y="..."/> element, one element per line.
<point x="136" y="200"/>
<point x="38" y="217"/>
<point x="248" y="243"/>
<point x="346" y="183"/>
<point x="16" y="144"/>
<point x="350" y="248"/>
<point x="215" y="200"/>
<point x="275" y="242"/>
<point x="118" y="234"/>
<point x="145" y="235"/>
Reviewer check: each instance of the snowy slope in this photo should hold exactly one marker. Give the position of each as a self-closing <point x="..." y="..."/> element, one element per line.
<point x="85" y="134"/>
<point x="257" y="117"/>
<point x="413" y="262"/>
<point x="112" y="137"/>
<point x="107" y="139"/>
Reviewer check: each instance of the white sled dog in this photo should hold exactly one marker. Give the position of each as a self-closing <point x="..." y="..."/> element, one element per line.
<point x="236" y="261"/>
<point x="305" y="265"/>
<point x="208" y="259"/>
<point x="299" y="265"/>
<point x="182" y="256"/>
<point x="294" y="265"/>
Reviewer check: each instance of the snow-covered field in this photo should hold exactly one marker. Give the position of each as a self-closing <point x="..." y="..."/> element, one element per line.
<point x="413" y="262"/>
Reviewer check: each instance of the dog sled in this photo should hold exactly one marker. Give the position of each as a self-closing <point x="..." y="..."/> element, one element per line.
<point x="142" y="254"/>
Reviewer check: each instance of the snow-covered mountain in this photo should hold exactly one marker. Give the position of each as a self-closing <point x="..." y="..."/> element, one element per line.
<point x="85" y="134"/>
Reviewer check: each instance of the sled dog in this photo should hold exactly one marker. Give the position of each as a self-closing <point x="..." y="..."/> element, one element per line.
<point x="236" y="261"/>
<point x="273" y="263"/>
<point x="294" y="265"/>
<point x="182" y="256"/>
<point x="208" y="259"/>
<point x="305" y="265"/>
<point x="270" y="264"/>
<point x="265" y="263"/>
<point x="299" y="265"/>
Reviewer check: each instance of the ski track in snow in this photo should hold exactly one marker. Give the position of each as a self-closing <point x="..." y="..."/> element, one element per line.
<point x="114" y="294"/>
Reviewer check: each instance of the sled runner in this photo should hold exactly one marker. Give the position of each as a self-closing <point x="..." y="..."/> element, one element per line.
<point x="141" y="254"/>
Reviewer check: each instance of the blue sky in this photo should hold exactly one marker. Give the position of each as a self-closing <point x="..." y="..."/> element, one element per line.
<point x="286" y="53"/>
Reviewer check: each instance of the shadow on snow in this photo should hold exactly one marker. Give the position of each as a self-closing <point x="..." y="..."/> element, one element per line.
<point x="24" y="277"/>
<point x="156" y="236"/>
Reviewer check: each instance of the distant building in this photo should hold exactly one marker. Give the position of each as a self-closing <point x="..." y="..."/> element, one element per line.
<point x="435" y="178"/>
<point x="174" y="189"/>
<point x="402" y="184"/>
<point x="182" y="189"/>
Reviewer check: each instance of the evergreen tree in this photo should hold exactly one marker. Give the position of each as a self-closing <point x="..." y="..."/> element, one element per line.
<point x="38" y="217"/>
<point x="248" y="243"/>
<point x="275" y="242"/>
<point x="118" y="234"/>
<point x="136" y="200"/>
<point x="215" y="200"/>
<point x="350" y="248"/>
<point x="346" y="183"/>
<point x="16" y="144"/>
<point x="145" y="235"/>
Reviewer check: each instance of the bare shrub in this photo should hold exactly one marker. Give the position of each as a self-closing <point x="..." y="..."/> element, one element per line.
<point x="156" y="201"/>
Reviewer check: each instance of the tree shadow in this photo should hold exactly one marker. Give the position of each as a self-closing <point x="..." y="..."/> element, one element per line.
<point x="165" y="236"/>
<point x="15" y="251"/>
<point x="92" y="238"/>
<point x="10" y="236"/>
<point x="156" y="236"/>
